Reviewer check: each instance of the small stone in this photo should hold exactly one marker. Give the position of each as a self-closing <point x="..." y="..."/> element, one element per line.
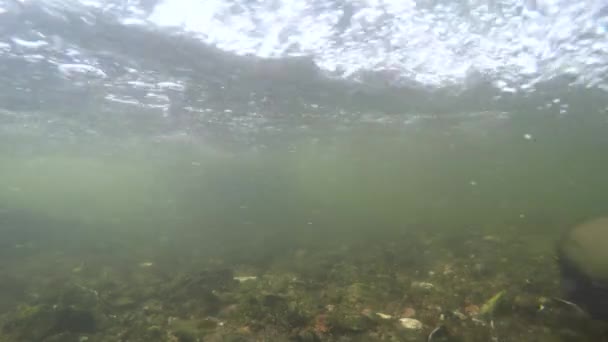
<point x="321" y="325"/>
<point x="448" y="270"/>
<point x="245" y="330"/>
<point x="411" y="323"/>
<point x="491" y="238"/>
<point x="481" y="269"/>
<point x="367" y="312"/>
<point x="154" y="331"/>
<point x="459" y="315"/>
<point x="408" y="312"/>
<point x="472" y="310"/>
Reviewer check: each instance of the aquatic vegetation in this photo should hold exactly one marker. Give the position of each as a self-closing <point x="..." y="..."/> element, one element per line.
<point x="491" y="305"/>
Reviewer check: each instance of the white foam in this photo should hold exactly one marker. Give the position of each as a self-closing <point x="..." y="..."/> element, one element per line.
<point x="435" y="46"/>
<point x="34" y="58"/>
<point x="170" y="85"/>
<point x="82" y="69"/>
<point x="133" y="21"/>
<point x="160" y="97"/>
<point x="140" y="84"/>
<point x="123" y="100"/>
<point x="30" y="44"/>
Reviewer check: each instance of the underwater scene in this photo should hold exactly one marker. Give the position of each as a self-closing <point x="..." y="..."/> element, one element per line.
<point x="186" y="171"/>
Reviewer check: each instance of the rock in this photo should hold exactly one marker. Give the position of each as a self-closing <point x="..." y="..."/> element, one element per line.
<point x="585" y="247"/>
<point x="582" y="256"/>
<point x="411" y="324"/>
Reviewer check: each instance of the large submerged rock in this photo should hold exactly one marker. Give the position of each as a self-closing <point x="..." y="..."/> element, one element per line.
<point x="583" y="261"/>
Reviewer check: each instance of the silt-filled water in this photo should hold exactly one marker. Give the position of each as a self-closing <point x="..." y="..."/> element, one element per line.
<point x="470" y="207"/>
<point x="160" y="185"/>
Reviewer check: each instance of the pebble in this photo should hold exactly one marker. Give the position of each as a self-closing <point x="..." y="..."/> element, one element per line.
<point x="472" y="310"/>
<point x="422" y="285"/>
<point x="408" y="313"/>
<point x="411" y="323"/>
<point x="491" y="238"/>
<point x="460" y="315"/>
<point x="245" y="278"/>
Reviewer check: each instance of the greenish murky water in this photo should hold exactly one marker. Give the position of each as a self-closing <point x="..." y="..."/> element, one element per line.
<point x="142" y="241"/>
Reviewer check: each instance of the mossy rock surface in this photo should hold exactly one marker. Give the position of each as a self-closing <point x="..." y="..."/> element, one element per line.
<point x="38" y="323"/>
<point x="348" y="322"/>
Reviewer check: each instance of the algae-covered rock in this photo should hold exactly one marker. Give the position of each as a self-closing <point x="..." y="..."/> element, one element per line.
<point x="343" y="321"/>
<point x="367" y="293"/>
<point x="306" y="336"/>
<point x="358" y="293"/>
<point x="203" y="292"/>
<point x="583" y="261"/>
<point x="280" y="310"/>
<point x="585" y="247"/>
<point x="35" y="323"/>
<point x="154" y="332"/>
<point x="122" y="302"/>
<point x="30" y="323"/>
<point x="207" y="280"/>
<point x="187" y="330"/>
<point x="76" y="296"/>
